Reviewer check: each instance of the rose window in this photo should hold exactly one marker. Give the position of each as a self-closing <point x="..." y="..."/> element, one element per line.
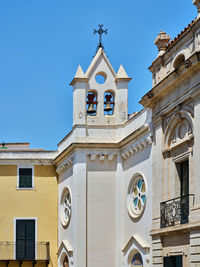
<point x="66" y="207"/>
<point x="136" y="196"/>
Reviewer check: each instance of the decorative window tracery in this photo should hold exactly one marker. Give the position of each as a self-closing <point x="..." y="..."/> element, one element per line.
<point x="66" y="207"/>
<point x="137" y="196"/>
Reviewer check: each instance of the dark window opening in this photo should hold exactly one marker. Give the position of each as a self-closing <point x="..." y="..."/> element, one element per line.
<point x="25" y="239"/>
<point x="183" y="171"/>
<point x="173" y="261"/>
<point x="25" y="177"/>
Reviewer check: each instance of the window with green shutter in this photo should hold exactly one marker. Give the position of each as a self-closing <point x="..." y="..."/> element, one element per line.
<point x="25" y="178"/>
<point x="25" y="239"/>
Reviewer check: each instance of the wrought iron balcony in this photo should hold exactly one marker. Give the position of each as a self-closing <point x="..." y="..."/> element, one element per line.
<point x="24" y="251"/>
<point x="175" y="211"/>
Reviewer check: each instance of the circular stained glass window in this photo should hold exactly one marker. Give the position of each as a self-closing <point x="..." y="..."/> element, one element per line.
<point x="136" y="196"/>
<point x="66" y="207"/>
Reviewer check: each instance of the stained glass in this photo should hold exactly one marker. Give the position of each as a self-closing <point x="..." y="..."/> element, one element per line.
<point x="135" y="190"/>
<point x="138" y="193"/>
<point x="136" y="201"/>
<point x="139" y="184"/>
<point x="137" y="260"/>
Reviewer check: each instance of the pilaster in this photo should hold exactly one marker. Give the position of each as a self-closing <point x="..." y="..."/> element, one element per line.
<point x="195" y="248"/>
<point x="157" y="252"/>
<point x="79" y="210"/>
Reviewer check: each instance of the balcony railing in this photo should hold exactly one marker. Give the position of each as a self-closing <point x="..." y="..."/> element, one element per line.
<point x="24" y="252"/>
<point x="175" y="211"/>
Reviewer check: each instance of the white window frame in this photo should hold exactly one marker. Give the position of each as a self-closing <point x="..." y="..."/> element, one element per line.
<point x="25" y="167"/>
<point x="15" y="228"/>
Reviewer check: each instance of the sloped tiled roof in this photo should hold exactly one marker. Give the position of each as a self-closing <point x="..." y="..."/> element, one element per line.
<point x="187" y="28"/>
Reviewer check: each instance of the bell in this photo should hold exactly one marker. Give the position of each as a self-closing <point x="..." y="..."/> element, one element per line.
<point x="91" y="109"/>
<point x="108" y="107"/>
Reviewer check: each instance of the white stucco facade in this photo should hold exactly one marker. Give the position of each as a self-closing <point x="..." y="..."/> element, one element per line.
<point x="99" y="162"/>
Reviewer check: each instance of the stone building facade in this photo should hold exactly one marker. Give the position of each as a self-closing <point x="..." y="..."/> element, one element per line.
<point x="174" y="100"/>
<point x="104" y="171"/>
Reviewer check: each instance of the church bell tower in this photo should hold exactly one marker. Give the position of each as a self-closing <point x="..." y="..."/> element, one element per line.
<point x="100" y="96"/>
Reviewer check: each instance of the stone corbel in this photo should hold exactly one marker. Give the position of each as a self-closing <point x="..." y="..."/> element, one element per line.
<point x="64" y="165"/>
<point x="101" y="156"/>
<point x="133" y="149"/>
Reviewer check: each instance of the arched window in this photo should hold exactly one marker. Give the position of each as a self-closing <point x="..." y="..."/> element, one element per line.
<point x="109" y="103"/>
<point x="66" y="262"/>
<point x="137" y="260"/>
<point x="179" y="60"/>
<point x="92" y="103"/>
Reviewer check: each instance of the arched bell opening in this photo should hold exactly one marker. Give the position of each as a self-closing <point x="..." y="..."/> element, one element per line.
<point x="91" y="103"/>
<point x="109" y="103"/>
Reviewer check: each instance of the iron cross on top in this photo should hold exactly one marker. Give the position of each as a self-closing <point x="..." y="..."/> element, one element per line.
<point x="100" y="31"/>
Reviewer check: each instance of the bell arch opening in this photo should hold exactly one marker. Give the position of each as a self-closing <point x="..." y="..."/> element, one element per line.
<point x="91" y="103"/>
<point x="109" y="102"/>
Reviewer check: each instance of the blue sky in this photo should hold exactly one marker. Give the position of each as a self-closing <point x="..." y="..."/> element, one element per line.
<point x="42" y="42"/>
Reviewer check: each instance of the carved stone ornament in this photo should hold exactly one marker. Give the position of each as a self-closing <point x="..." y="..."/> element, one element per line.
<point x="162" y="40"/>
<point x="135" y="148"/>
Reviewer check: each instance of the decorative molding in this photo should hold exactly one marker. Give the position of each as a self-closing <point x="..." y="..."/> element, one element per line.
<point x="101" y="156"/>
<point x="133" y="149"/>
<point x="136" y="239"/>
<point x="64" y="165"/>
<point x="66" y="246"/>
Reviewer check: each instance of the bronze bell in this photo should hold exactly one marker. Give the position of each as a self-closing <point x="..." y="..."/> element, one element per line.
<point x="108" y="107"/>
<point x="91" y="109"/>
<point x="108" y="103"/>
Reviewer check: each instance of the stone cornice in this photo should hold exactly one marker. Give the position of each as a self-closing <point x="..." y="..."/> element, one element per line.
<point x="175" y="229"/>
<point x="131" y="150"/>
<point x="64" y="165"/>
<point x="168" y="83"/>
<point x="118" y="145"/>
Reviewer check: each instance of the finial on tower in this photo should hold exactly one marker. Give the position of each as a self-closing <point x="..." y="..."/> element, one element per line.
<point x="100" y="31"/>
<point x="161" y="41"/>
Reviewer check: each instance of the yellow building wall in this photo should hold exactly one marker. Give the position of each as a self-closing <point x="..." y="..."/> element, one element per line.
<point x="40" y="203"/>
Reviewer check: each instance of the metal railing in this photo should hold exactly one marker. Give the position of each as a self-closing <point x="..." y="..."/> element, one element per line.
<point x="23" y="251"/>
<point x="175" y="211"/>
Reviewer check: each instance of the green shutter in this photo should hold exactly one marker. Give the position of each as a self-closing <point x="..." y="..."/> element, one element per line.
<point x="20" y="239"/>
<point x="25" y="177"/>
<point x="25" y="239"/>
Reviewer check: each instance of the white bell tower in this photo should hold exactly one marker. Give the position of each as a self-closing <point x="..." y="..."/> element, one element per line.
<point x="100" y="96"/>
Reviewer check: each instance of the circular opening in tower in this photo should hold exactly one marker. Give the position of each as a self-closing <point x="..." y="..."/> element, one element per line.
<point x="100" y="77"/>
